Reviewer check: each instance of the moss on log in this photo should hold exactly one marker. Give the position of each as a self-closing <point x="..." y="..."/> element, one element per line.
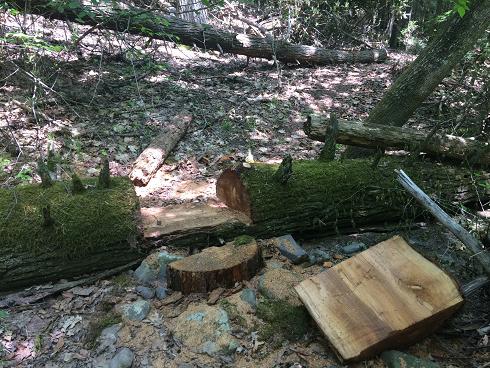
<point x="90" y="231"/>
<point x="331" y="196"/>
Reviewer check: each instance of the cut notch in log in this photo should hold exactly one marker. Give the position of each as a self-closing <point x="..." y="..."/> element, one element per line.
<point x="153" y="157"/>
<point x="384" y="137"/>
<point x="216" y="267"/>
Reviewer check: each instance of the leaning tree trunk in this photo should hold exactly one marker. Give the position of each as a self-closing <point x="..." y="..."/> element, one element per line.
<point x="435" y="62"/>
<point x="91" y="231"/>
<point x="382" y="136"/>
<point x="331" y="196"/>
<point x="144" y="23"/>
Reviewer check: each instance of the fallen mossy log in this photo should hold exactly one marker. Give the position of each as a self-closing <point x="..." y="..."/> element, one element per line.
<point x="91" y="231"/>
<point x="384" y="136"/>
<point x="150" y="24"/>
<point x="328" y="197"/>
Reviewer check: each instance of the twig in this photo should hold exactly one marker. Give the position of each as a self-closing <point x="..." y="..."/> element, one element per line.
<point x="473" y="244"/>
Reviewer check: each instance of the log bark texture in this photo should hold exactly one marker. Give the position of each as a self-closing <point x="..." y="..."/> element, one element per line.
<point x="152" y="158"/>
<point x="93" y="231"/>
<point x="328" y="197"/>
<point x="455" y="38"/>
<point x="144" y="23"/>
<point x="216" y="267"/>
<point x="382" y="136"/>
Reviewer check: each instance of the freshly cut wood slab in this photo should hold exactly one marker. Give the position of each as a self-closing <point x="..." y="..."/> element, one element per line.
<point x="188" y="219"/>
<point x="216" y="267"/>
<point x="385" y="297"/>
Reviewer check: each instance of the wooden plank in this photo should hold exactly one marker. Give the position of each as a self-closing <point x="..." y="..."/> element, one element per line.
<point x="384" y="297"/>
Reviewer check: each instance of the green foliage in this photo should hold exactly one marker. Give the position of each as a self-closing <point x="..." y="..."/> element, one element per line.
<point x="460" y="6"/>
<point x="24" y="175"/>
<point x="30" y="42"/>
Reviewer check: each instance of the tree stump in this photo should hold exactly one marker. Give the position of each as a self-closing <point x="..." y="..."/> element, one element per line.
<point x="216" y="267"/>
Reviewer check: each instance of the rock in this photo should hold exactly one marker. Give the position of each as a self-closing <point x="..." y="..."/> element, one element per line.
<point x="145" y="292"/>
<point x="318" y="256"/>
<point x="163" y="259"/>
<point x="397" y="359"/>
<point x="136" y="311"/>
<point x="272" y="264"/>
<point x="328" y="264"/>
<point x="144" y="274"/>
<point x="290" y="249"/>
<point x="353" y="247"/>
<point x="279" y="284"/>
<point x="108" y="338"/>
<point x="338" y="256"/>
<point x="205" y="329"/>
<point x="248" y="296"/>
<point x="161" y="292"/>
<point x="123" y="359"/>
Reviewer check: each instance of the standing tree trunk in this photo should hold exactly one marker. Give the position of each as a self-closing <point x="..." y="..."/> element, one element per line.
<point x="191" y="11"/>
<point x="435" y="62"/>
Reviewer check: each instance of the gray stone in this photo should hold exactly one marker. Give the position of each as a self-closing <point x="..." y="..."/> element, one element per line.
<point x="318" y="256"/>
<point x="145" y="292"/>
<point x="161" y="292"/>
<point x="290" y="249"/>
<point x="136" y="311"/>
<point x="272" y="264"/>
<point x="144" y="274"/>
<point x="163" y="259"/>
<point x="397" y="359"/>
<point x="248" y="296"/>
<point x="123" y="359"/>
<point x="108" y="338"/>
<point x="353" y="247"/>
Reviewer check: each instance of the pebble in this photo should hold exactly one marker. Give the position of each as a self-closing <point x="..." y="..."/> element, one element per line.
<point x="318" y="256"/>
<point x="248" y="296"/>
<point x="328" y="264"/>
<point x="123" y="359"/>
<point x="161" y="292"/>
<point x="145" y="292"/>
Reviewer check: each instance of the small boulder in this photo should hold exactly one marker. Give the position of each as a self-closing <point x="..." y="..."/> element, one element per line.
<point x="145" y="292"/>
<point x="397" y="359"/>
<point x="353" y="247"/>
<point x="205" y="329"/>
<point x="318" y="256"/>
<point x="123" y="359"/>
<point x="136" y="311"/>
<point x="144" y="274"/>
<point x="290" y="249"/>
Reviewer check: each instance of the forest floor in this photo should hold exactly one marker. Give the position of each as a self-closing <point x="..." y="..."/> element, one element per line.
<point x="87" y="105"/>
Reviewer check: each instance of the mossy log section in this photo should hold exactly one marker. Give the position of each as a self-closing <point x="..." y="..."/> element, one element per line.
<point x="216" y="267"/>
<point x="92" y="231"/>
<point x="157" y="26"/>
<point x="152" y="158"/>
<point x="331" y="196"/>
<point x="383" y="136"/>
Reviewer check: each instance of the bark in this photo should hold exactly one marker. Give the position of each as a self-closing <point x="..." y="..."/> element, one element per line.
<point x="328" y="197"/>
<point x="382" y="136"/>
<point x="144" y="23"/>
<point x="152" y="158"/>
<point x="216" y="267"/>
<point x="435" y="62"/>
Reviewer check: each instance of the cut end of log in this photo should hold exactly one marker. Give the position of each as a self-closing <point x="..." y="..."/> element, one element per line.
<point x="216" y="267"/>
<point x="230" y="189"/>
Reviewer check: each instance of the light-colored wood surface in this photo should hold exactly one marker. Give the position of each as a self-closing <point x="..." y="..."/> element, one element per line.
<point x="215" y="267"/>
<point x="384" y="297"/>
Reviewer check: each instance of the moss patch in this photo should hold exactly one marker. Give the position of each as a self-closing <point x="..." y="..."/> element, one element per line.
<point x="282" y="320"/>
<point x="97" y="218"/>
<point x="243" y="240"/>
